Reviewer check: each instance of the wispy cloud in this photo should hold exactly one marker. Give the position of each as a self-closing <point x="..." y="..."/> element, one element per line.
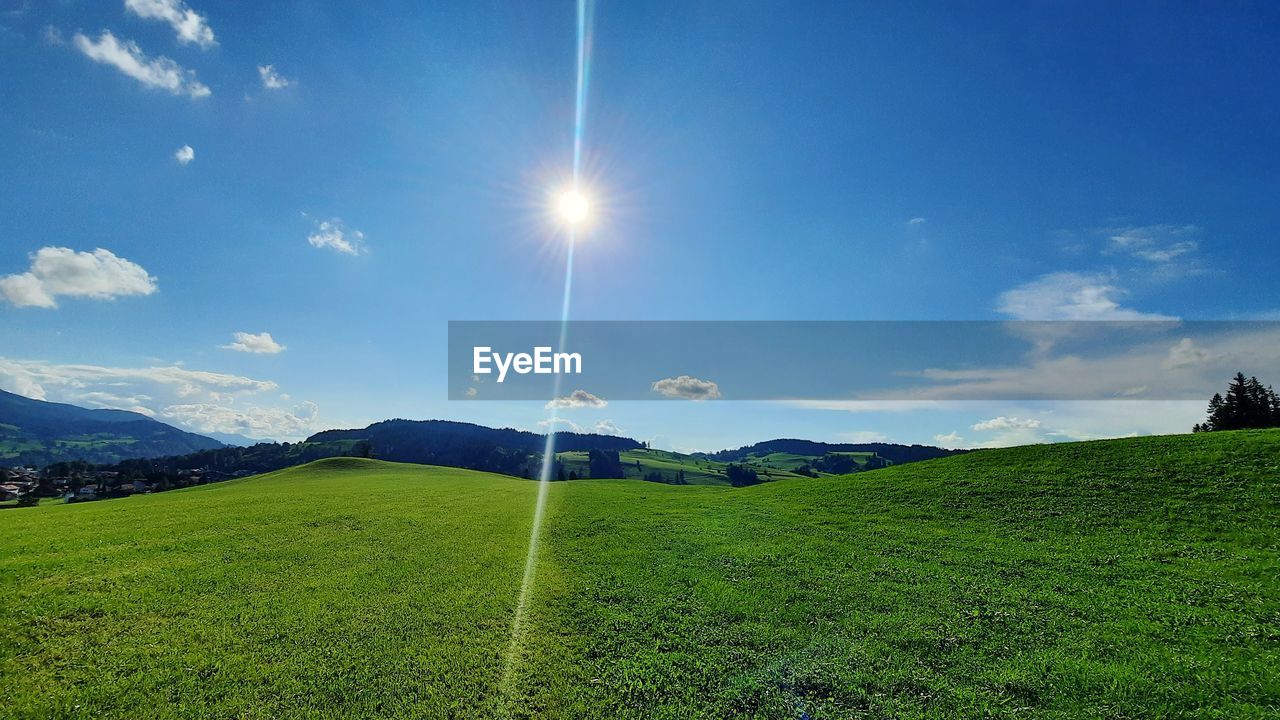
<point x="261" y="343"/>
<point x="1154" y="243"/>
<point x="333" y="234"/>
<point x="161" y="72"/>
<point x="191" y="26"/>
<point x="184" y="155"/>
<point x="863" y="436"/>
<point x="62" y="272"/>
<point x="916" y="221"/>
<point x="1006" y="423"/>
<point x="271" y="79"/>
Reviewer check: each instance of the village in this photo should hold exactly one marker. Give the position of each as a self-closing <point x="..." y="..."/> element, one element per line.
<point x="78" y="482"/>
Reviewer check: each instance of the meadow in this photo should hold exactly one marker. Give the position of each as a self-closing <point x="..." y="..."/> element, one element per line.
<point x="1125" y="578"/>
<point x="636" y="464"/>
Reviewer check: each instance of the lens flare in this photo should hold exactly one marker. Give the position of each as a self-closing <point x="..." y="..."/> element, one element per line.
<point x="573" y="207"/>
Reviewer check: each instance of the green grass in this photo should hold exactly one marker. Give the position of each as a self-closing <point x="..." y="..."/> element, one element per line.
<point x="697" y="471"/>
<point x="1130" y="578"/>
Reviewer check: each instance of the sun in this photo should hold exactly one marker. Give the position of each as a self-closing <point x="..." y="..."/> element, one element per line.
<point x="573" y="207"/>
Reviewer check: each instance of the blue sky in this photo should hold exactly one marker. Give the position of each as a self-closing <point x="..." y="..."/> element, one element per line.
<point x="360" y="174"/>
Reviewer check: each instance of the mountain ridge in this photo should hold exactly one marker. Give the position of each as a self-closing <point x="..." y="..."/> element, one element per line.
<point x="39" y="432"/>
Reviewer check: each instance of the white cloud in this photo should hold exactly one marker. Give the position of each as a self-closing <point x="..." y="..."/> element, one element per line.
<point x="1006" y="423"/>
<point x="606" y="427"/>
<point x="1070" y="296"/>
<point x="253" y="422"/>
<point x="251" y="343"/>
<point x="129" y="59"/>
<point x="915" y="221"/>
<point x="271" y="79"/>
<point x="687" y="388"/>
<point x="184" y="155"/>
<point x="59" y="271"/>
<point x="950" y="440"/>
<point x="196" y="400"/>
<point x="333" y="234"/>
<point x="472" y="392"/>
<point x="190" y="25"/>
<point x="577" y="399"/>
<point x="1187" y="354"/>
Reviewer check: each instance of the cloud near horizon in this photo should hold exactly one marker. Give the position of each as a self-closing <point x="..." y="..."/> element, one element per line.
<point x="603" y="427"/>
<point x="161" y="72"/>
<point x="1006" y="423"/>
<point x="62" y="272"/>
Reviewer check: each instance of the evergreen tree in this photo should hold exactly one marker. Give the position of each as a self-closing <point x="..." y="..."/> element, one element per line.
<point x="1247" y="404"/>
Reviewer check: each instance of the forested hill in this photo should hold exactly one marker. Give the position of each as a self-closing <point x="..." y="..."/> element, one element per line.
<point x="445" y="442"/>
<point x="894" y="453"/>
<point x="35" y="432"/>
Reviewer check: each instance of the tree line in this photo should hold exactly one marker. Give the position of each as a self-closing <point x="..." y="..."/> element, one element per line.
<point x="1247" y="404"/>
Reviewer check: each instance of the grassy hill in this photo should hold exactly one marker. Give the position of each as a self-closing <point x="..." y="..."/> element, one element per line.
<point x="1127" y="578"/>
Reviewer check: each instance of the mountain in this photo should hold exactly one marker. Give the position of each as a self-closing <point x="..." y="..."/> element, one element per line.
<point x="894" y="453"/>
<point x="234" y="440"/>
<point x="35" y="432"/>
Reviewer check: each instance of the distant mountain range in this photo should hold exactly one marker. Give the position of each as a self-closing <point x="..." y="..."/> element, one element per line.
<point x="35" y="432"/>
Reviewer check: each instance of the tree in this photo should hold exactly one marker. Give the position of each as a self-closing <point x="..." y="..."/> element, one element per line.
<point x="740" y="475"/>
<point x="604" y="464"/>
<point x="1247" y="404"/>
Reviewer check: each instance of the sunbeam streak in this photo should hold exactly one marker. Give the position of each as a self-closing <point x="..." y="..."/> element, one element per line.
<point x="574" y="208"/>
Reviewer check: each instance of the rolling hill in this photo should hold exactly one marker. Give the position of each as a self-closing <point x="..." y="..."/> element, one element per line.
<point x="1125" y="578"/>
<point x="646" y="463"/>
<point x="39" y="433"/>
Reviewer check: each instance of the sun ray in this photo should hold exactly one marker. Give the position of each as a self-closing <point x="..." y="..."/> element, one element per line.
<point x="573" y="207"/>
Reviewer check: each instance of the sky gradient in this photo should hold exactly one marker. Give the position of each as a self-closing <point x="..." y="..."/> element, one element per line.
<point x="345" y="179"/>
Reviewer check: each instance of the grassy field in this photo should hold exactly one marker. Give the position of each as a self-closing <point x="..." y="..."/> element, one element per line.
<point x="636" y="464"/>
<point x="791" y="461"/>
<point x="1129" y="578"/>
